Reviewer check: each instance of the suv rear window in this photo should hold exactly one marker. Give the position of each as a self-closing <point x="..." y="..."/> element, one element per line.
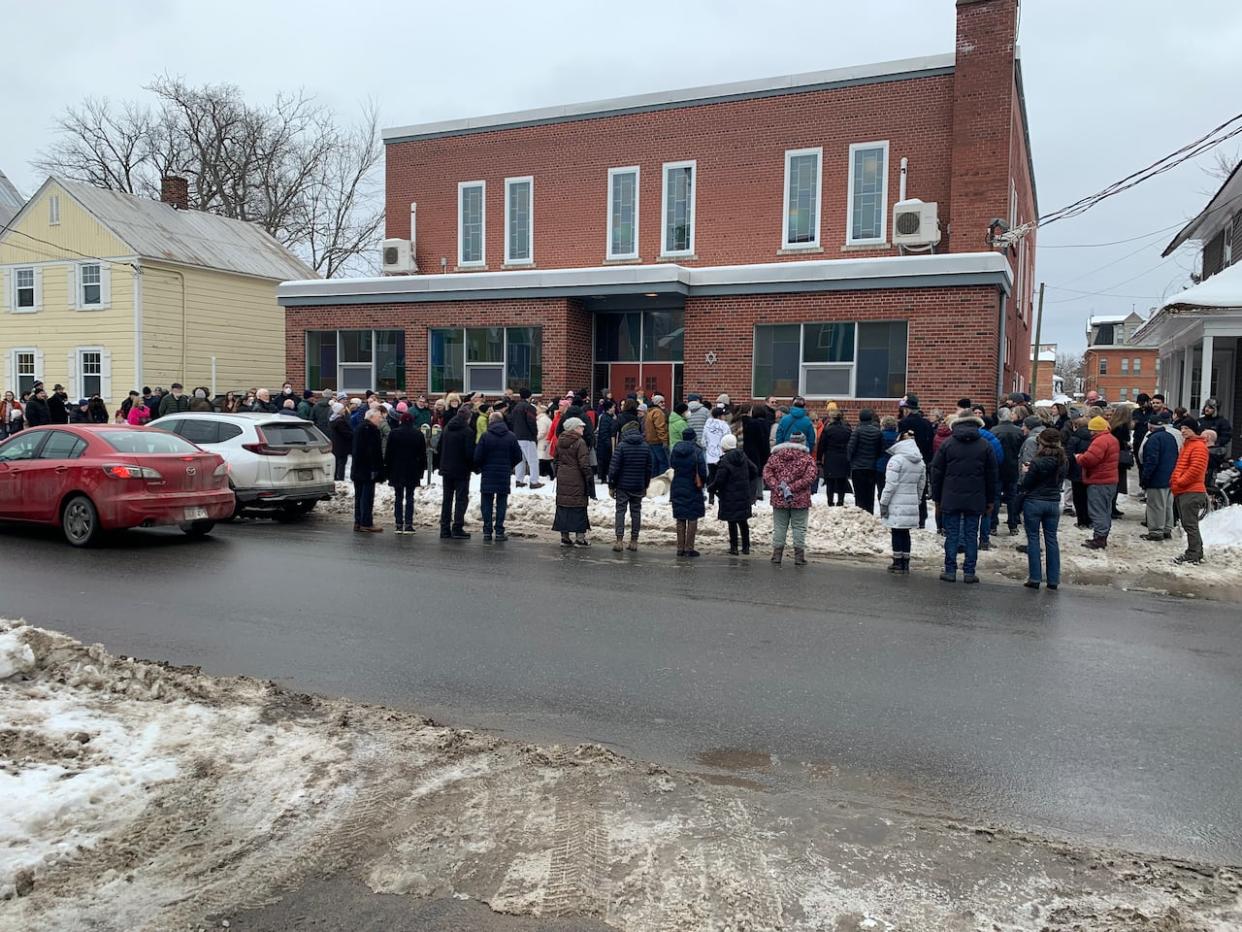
<point x="145" y="441"/>
<point x="292" y="435"/>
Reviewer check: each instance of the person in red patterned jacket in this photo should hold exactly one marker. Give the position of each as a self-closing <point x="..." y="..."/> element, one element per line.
<point x="789" y="473"/>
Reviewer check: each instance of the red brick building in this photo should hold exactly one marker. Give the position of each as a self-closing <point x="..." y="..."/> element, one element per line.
<point x="748" y="238"/>
<point x="1114" y="364"/>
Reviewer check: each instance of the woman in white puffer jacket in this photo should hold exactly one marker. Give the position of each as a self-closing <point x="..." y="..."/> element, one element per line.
<point x="904" y="482"/>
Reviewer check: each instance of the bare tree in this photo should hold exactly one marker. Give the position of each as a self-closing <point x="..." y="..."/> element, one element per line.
<point x="286" y="166"/>
<point x="1223" y="164"/>
<point x="1069" y="366"/>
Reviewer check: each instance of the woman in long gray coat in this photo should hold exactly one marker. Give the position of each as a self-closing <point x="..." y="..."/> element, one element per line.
<point x="904" y="482"/>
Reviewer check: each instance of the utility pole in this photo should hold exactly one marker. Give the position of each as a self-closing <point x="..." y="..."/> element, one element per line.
<point x="1039" y="324"/>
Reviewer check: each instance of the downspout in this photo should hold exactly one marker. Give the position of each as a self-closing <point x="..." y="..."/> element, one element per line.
<point x="136" y="267"/>
<point x="1000" y="350"/>
<point x="183" y="322"/>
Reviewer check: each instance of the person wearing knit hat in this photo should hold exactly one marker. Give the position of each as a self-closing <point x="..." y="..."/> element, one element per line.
<point x="732" y="486"/>
<point x="1099" y="464"/>
<point x="341" y="432"/>
<point x="402" y="407"/>
<point x="1189" y="487"/>
<point x="689" y="465"/>
<point x="575" y="484"/>
<point x="789" y="473"/>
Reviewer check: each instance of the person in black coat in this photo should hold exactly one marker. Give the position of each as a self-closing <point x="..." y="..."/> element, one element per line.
<point x="366" y="469"/>
<point x="965" y="477"/>
<point x="629" y="474"/>
<point x="58" y="406"/>
<point x="37" y="412"/>
<point x="924" y="433"/>
<point x="604" y="433"/>
<point x="1077" y="441"/>
<point x="456" y="464"/>
<point x="523" y="420"/>
<point x="405" y="460"/>
<point x="81" y="412"/>
<point x="628" y="415"/>
<point x="1011" y="439"/>
<point x="834" y="457"/>
<point x="495" y="455"/>
<point x="341" y="432"/>
<point x="757" y="442"/>
<point x="732" y="486"/>
<point x="866" y="445"/>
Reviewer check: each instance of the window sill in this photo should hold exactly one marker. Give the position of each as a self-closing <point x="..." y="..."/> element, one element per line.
<point x="93" y="308"/>
<point x="510" y="266"/>
<point x="862" y="247"/>
<point x="24" y="310"/>
<point x="692" y="257"/>
<point x="471" y="268"/>
<point x="635" y="260"/>
<point x="798" y="250"/>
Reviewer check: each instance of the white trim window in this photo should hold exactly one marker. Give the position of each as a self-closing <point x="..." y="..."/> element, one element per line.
<point x="25" y="298"/>
<point x="92" y="285"/>
<point x="867" y="208"/>
<point x="1125" y="365"/>
<point x="53" y="210"/>
<point x="677" y="208"/>
<point x="833" y="359"/>
<point x="1137" y="366"/>
<point x="520" y="221"/>
<point x="25" y="368"/>
<point x="471" y="224"/>
<point x="623" y="213"/>
<point x="803" y="175"/>
<point x="91" y="365"/>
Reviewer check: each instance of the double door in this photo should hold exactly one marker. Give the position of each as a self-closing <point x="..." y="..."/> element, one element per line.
<point x="652" y="378"/>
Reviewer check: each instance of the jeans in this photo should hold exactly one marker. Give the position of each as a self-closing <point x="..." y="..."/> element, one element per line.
<point x="1100" y="507"/>
<point x="364" y="503"/>
<point x="961" y="529"/>
<point x="659" y="458"/>
<point x="864" y="489"/>
<point x="1038" y="514"/>
<point x="633" y="502"/>
<point x="1189" y="504"/>
<point x="1159" y="511"/>
<point x="783" y="519"/>
<point x="529" y="467"/>
<point x="403" y="505"/>
<point x="499" y="508"/>
<point x="901" y="541"/>
<point x="453" y="505"/>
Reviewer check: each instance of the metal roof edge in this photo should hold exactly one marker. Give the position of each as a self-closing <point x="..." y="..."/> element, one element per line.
<point x="879" y="72"/>
<point x="1188" y="231"/>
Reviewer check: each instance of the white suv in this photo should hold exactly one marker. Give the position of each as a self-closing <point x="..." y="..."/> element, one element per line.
<point x="277" y="464"/>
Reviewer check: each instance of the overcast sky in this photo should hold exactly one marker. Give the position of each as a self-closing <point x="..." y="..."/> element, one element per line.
<point x="1111" y="85"/>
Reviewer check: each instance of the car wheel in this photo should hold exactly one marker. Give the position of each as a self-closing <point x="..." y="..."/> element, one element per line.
<point x="80" y="521"/>
<point x="198" y="528"/>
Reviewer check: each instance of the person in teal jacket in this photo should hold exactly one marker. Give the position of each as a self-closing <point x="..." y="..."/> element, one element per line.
<point x="797" y="422"/>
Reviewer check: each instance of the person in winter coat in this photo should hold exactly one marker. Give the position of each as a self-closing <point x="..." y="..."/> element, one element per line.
<point x="1189" y="489"/>
<point x="689" y="465"/>
<point x="495" y="455"/>
<point x="37" y="413"/>
<point x="655" y="432"/>
<point x="924" y="431"/>
<point x="1041" y="507"/>
<point x="605" y="437"/>
<point x="733" y="485"/>
<point x="286" y="394"/>
<point x="989" y="526"/>
<point x="575" y="484"/>
<point x="942" y="432"/>
<point x="1078" y="441"/>
<point x="58" y="406"/>
<point x="964" y="480"/>
<point x="696" y="416"/>
<point x="542" y="446"/>
<point x="1099" y="474"/>
<point x="797" y="421"/>
<point x="306" y="407"/>
<point x="714" y="432"/>
<point x="864" y="447"/>
<point x="200" y="403"/>
<point x="905" y="482"/>
<point x="405" y="461"/>
<point x="834" y="457"/>
<point x="176" y="402"/>
<point x="1012" y="440"/>
<point x="629" y="474"/>
<point x="790" y="472"/>
<point x="757" y="443"/>
<point x="1119" y="422"/>
<point x="1159" y="458"/>
<point x="1032" y="427"/>
<point x="1211" y="419"/>
<point x="456" y="465"/>
<point x="888" y="436"/>
<point x="97" y="411"/>
<point x="81" y="412"/>
<point x="628" y="415"/>
<point x="139" y="414"/>
<point x="677" y="423"/>
<point x="366" y="468"/>
<point x="341" y="432"/>
<point x="10" y="415"/>
<point x="524" y="422"/>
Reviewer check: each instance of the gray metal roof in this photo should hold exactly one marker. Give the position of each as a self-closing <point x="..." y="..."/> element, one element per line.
<point x="154" y="230"/>
<point x="10" y="200"/>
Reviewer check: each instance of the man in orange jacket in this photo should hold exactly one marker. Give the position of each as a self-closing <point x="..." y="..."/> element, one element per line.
<point x="1189" y="490"/>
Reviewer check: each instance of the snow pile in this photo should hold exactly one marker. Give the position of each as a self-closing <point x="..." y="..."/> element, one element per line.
<point x="16" y="655"/>
<point x="1223" y="529"/>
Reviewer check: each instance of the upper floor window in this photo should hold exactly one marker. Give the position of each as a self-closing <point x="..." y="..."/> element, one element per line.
<point x="868" y="193"/>
<point x="53" y="210"/>
<point x="471" y="223"/>
<point x="677" y="209"/>
<point x="25" y="290"/>
<point x="91" y="285"/>
<point x="802" y="177"/>
<point x="623" y="213"/>
<point x="1137" y="366"/>
<point x="1103" y="365"/>
<point x="519" y="221"/>
<point x="1125" y="365"/>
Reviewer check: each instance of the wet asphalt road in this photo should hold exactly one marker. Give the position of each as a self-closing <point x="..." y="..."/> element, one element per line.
<point x="1089" y="714"/>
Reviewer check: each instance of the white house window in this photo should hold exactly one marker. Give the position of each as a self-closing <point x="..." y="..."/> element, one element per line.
<point x="53" y="209"/>
<point x="90" y="279"/>
<point x="868" y="193"/>
<point x="802" y="178"/>
<point x="677" y="209"/>
<point x="623" y="213"/>
<point x="471" y="223"/>
<point x="831" y="360"/>
<point x="519" y="221"/>
<point x="1138" y="365"/>
<point x="24" y="290"/>
<point x="90" y="372"/>
<point x="1103" y="365"/>
<point x="25" y="370"/>
<point x="1125" y="365"/>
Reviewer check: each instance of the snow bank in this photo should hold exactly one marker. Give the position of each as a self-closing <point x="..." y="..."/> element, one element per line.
<point x="15" y="655"/>
<point x="1223" y="529"/>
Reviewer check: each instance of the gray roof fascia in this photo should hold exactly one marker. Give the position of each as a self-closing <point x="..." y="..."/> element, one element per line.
<point x="881" y="72"/>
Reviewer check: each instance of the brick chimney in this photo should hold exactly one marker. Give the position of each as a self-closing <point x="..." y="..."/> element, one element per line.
<point x="984" y="101"/>
<point x="175" y="190"/>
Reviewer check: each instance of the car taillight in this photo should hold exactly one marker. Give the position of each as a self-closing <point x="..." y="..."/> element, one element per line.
<point x="221" y="471"/>
<point x="324" y="448"/>
<point x="121" y="471"/>
<point x="263" y="448"/>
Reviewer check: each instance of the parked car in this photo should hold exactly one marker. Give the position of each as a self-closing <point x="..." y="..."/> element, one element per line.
<point x="86" y="479"/>
<point x="279" y="465"/>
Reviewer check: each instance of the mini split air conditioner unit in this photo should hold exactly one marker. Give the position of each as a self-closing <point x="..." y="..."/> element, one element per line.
<point x="398" y="257"/>
<point x="915" y="223"/>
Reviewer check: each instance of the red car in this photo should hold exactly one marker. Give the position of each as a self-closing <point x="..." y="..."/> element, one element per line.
<point x="90" y="479"/>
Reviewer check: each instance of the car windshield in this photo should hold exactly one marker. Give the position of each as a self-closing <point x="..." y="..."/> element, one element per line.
<point x="146" y="441"/>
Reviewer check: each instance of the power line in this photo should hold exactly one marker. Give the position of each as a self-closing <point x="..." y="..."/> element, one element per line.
<point x="1119" y="242"/>
<point x="63" y="249"/>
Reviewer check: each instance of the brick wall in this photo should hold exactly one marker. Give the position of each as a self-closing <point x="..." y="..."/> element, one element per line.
<point x="1110" y="385"/>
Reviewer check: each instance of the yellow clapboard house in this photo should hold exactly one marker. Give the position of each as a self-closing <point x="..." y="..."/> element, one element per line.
<point x="104" y="292"/>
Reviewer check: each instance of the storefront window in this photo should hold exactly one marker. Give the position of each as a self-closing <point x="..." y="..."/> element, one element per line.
<point x="830" y="360"/>
<point x="486" y="359"/>
<point x="663" y="336"/>
<point x="524" y="362"/>
<point x="446" y="361"/>
<point x="618" y="337"/>
<point x="321" y="359"/>
<point x="389" y="360"/>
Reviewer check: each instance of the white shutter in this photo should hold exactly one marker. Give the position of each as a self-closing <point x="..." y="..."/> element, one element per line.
<point x="9" y="382"/>
<point x="105" y="375"/>
<point x="71" y="383"/>
<point x="6" y="277"/>
<point x="38" y="286"/>
<point x="72" y="284"/>
<point x="105" y="284"/>
<point x="38" y="365"/>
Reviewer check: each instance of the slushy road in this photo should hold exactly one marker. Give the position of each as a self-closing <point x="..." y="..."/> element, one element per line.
<point x="1095" y="715"/>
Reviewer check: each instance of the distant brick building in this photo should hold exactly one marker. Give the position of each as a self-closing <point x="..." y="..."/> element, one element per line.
<point x="1113" y="364"/>
<point x="1046" y="382"/>
<point x="738" y="238"/>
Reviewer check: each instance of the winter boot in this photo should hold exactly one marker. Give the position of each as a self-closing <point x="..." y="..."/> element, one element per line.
<point x="799" y="556"/>
<point x="633" y="545"/>
<point x="896" y="565"/>
<point x="949" y="575"/>
<point x="618" y="545"/>
<point x="778" y="553"/>
<point x="681" y="538"/>
<point x="745" y="540"/>
<point x="692" y="529"/>
<point x="1096" y="543"/>
<point x="905" y="564"/>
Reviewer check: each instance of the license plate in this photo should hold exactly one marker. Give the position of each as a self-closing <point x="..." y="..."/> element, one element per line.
<point x="306" y="475"/>
<point x="195" y="514"/>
